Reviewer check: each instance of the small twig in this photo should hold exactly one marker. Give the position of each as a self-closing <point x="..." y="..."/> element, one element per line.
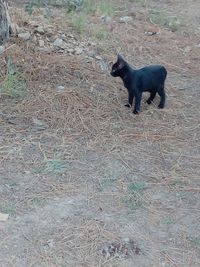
<point x="7" y="48"/>
<point x="190" y="189"/>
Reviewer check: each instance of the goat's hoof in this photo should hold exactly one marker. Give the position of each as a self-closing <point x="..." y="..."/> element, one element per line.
<point x="127" y="105"/>
<point x="160" y="106"/>
<point x="135" y="111"/>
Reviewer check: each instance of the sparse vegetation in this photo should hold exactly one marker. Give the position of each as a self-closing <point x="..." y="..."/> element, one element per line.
<point x="55" y="166"/>
<point x="34" y="4"/>
<point x="12" y="85"/>
<point x="78" y="22"/>
<point x="134" y="199"/>
<point x="195" y="241"/>
<point x="168" y="221"/>
<point x="136" y="186"/>
<point x="162" y="19"/>
<point x="142" y="3"/>
<point x="104" y="8"/>
<point x="101" y="35"/>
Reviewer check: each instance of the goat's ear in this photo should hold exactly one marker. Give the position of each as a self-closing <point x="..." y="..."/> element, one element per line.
<point x="121" y="62"/>
<point x="110" y="63"/>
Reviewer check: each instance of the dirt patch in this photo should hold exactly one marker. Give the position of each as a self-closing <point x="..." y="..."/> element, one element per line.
<point x="84" y="181"/>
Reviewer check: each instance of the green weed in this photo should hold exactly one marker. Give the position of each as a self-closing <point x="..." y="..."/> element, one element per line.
<point x="136" y="186"/>
<point x="104" y="8"/>
<point x="177" y="181"/>
<point x="101" y="35"/>
<point x="55" y="166"/>
<point x="168" y="221"/>
<point x="140" y="2"/>
<point x="8" y="209"/>
<point x="134" y="199"/>
<point x="78" y="22"/>
<point x="34" y="4"/>
<point x="13" y="85"/>
<point x="133" y="202"/>
<point x="194" y="241"/>
<point x="161" y="19"/>
<point x="89" y="7"/>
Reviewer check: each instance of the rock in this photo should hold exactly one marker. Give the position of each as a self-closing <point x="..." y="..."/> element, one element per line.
<point x="149" y="33"/>
<point x="91" y="53"/>
<point x="60" y="88"/>
<point x="3" y="217"/>
<point x="187" y="49"/>
<point x="50" y="243"/>
<point x="140" y="48"/>
<point x="78" y="50"/>
<point x="38" y="124"/>
<point x="104" y="65"/>
<point x="58" y="42"/>
<point x="40" y="30"/>
<point x="126" y="240"/>
<point x="41" y="43"/>
<point x="49" y="32"/>
<point x="33" y="23"/>
<point x="34" y="39"/>
<point x="70" y="50"/>
<point x="106" y="18"/>
<point x="2" y="48"/>
<point x="15" y="29"/>
<point x="98" y="57"/>
<point x="125" y="19"/>
<point x="44" y="49"/>
<point x="24" y="36"/>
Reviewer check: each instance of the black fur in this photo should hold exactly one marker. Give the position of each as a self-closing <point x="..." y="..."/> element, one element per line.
<point x="150" y="79"/>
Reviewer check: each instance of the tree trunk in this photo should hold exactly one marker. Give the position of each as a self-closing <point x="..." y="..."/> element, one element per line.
<point x="5" y="25"/>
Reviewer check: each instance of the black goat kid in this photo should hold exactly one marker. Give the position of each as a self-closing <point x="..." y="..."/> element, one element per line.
<point x="150" y="79"/>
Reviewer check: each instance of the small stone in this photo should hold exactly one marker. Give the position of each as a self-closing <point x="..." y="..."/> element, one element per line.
<point x="92" y="43"/>
<point x="60" y="87"/>
<point x="40" y="30"/>
<point x="2" y="48"/>
<point x="106" y="18"/>
<point x="91" y="53"/>
<point x="70" y="36"/>
<point x="140" y="48"/>
<point x="70" y="50"/>
<point x="24" y="36"/>
<point x="49" y="32"/>
<point x="104" y="65"/>
<point x="78" y="51"/>
<point x="125" y="19"/>
<point x="34" y="39"/>
<point x="39" y="123"/>
<point x="58" y="42"/>
<point x="150" y="33"/>
<point x="44" y="49"/>
<point x="3" y="217"/>
<point x="15" y="29"/>
<point x="187" y="49"/>
<point x="98" y="57"/>
<point x="50" y="243"/>
<point x="41" y="43"/>
<point x="33" y="23"/>
<point x="126" y="239"/>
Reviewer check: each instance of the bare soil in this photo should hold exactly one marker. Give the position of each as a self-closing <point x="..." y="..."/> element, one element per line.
<point x="86" y="182"/>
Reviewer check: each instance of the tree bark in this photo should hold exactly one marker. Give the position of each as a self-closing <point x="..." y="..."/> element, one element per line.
<point x="5" y="24"/>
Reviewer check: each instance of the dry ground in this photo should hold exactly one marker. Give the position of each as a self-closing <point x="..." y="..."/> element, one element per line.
<point x="84" y="181"/>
